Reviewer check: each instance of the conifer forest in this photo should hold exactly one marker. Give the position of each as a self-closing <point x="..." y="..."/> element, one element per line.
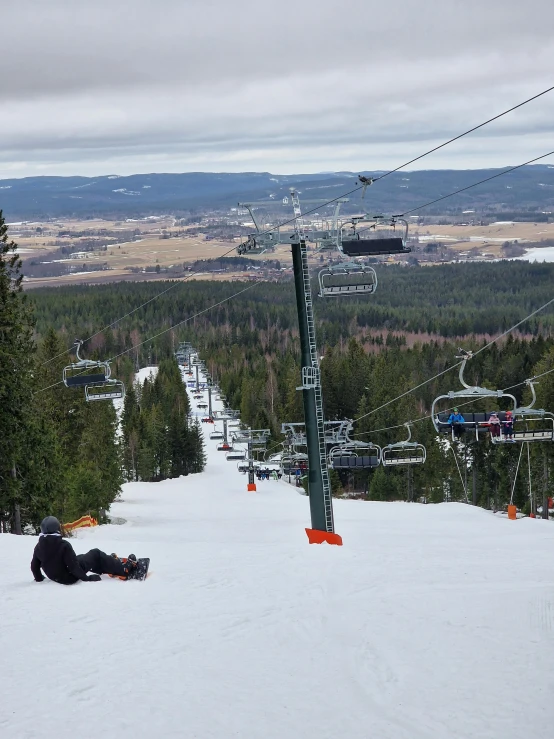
<point x="61" y="455"/>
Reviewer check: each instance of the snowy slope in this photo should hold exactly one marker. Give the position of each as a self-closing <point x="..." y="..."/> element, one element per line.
<point x="431" y="622"/>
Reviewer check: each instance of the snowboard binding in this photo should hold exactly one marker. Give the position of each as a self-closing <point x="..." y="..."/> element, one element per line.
<point x="135" y="569"/>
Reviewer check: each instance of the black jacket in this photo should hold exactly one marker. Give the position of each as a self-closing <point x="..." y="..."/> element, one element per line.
<point x="58" y="560"/>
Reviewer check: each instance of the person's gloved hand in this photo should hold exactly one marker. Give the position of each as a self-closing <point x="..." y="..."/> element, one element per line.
<point x="93" y="578"/>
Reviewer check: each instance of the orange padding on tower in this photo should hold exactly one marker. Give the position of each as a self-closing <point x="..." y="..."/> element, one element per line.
<point x="83" y="522"/>
<point x="318" y="537"/>
<point x="251" y="487"/>
<point x="512" y="512"/>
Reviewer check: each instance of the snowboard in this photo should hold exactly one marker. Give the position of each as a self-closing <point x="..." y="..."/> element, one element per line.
<point x="140" y="572"/>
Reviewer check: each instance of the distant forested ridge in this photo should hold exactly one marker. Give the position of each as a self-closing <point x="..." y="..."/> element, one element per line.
<point x="444" y="301"/>
<point x="530" y="188"/>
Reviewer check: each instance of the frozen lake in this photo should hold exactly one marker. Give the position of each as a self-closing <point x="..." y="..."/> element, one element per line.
<point x="545" y="254"/>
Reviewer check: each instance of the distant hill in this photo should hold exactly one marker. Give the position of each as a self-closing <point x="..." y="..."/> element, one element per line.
<point x="531" y="188"/>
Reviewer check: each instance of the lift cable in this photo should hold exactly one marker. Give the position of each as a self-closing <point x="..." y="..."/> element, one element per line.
<point x="449" y="369"/>
<point x="532" y="379"/>
<point x="151" y="338"/>
<point x="471" y="130"/>
<point x="130" y="313"/>
<point x="364" y="185"/>
<point x="459" y="405"/>
<point x="487" y="179"/>
<point x="334" y="200"/>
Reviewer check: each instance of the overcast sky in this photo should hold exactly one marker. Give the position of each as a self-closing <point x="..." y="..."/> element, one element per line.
<point x="123" y="86"/>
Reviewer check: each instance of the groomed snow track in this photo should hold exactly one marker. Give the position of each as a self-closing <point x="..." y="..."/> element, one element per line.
<point x="431" y="622"/>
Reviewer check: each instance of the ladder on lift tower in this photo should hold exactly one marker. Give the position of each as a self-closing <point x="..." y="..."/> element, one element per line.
<point x="311" y="376"/>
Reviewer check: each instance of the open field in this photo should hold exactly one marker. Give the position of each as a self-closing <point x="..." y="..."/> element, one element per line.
<point x="489" y="238"/>
<point x="140" y="245"/>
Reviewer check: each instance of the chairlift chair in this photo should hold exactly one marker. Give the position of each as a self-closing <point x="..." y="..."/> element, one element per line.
<point x="81" y="372"/>
<point x="235" y="454"/>
<point x="348" y="278"/>
<point x="107" y="390"/>
<point x="403" y="452"/>
<point x="202" y="406"/>
<point x="98" y="385"/>
<point x="528" y="416"/>
<point x="355" y="455"/>
<point x="240" y="436"/>
<point x="364" y="236"/>
<point x="290" y="462"/>
<point x="475" y="422"/>
<point x="224" y="447"/>
<point x="216" y="435"/>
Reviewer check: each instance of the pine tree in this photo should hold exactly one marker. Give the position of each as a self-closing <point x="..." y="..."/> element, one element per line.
<point x="16" y="362"/>
<point x="198" y="455"/>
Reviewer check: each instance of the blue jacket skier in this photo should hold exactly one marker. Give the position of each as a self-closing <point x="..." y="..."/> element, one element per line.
<point x="456" y="420"/>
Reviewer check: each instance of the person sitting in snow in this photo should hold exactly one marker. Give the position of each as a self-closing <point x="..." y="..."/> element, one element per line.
<point x="55" y="556"/>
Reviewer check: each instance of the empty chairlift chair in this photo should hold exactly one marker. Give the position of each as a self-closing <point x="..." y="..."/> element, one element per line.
<point x="348" y="278"/>
<point x="363" y="236"/>
<point x="94" y="376"/>
<point x="355" y="456"/>
<point x="235" y="455"/>
<point x="403" y="452"/>
<point x="107" y="390"/>
<point x="216" y="435"/>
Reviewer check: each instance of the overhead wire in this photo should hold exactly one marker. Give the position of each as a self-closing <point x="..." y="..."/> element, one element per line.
<point x="151" y="338"/>
<point x="471" y="130"/>
<point x="458" y="405"/>
<point x="421" y="156"/>
<point x="416" y="420"/>
<point x="449" y="369"/>
<point x="130" y="313"/>
<point x="469" y="187"/>
<point x="350" y="192"/>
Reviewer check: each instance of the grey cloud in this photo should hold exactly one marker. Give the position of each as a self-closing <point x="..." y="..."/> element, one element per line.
<point x="243" y="85"/>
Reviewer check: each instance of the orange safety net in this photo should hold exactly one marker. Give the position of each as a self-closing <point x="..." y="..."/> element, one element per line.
<point x="81" y="523"/>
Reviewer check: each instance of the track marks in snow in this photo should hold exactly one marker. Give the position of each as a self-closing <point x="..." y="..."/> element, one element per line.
<point x="542" y="615"/>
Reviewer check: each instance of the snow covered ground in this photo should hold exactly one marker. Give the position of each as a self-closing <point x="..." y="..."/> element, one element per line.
<point x="431" y="622"/>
